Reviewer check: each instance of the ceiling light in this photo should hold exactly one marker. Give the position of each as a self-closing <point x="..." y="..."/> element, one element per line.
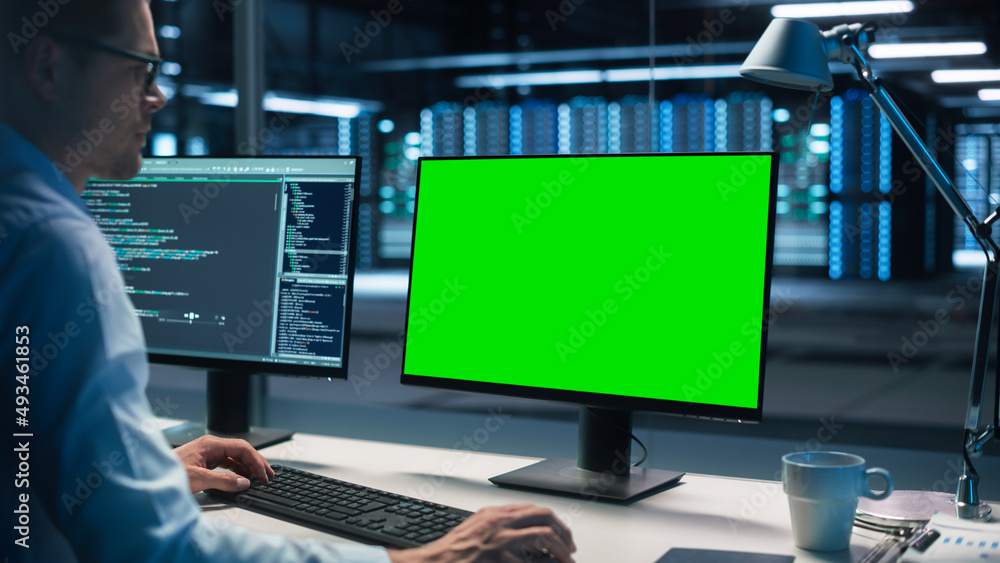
<point x="911" y="50"/>
<point x="326" y="108"/>
<point x="840" y="9"/>
<point x="226" y="98"/>
<point x="529" y="79"/>
<point x="969" y="75"/>
<point x="170" y="31"/>
<point x="282" y="104"/>
<point x="990" y="94"/>
<point x="681" y="72"/>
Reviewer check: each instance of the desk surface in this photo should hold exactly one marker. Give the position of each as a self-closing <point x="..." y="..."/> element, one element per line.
<point x="702" y="512"/>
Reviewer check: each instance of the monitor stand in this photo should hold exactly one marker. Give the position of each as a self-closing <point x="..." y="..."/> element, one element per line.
<point x="228" y="408"/>
<point x="603" y="470"/>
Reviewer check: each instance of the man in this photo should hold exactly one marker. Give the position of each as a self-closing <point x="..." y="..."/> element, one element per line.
<point x="94" y="479"/>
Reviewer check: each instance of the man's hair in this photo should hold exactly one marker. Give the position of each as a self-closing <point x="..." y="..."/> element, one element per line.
<point x="23" y="20"/>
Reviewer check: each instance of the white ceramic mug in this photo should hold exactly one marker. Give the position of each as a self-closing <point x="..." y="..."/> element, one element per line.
<point x="823" y="490"/>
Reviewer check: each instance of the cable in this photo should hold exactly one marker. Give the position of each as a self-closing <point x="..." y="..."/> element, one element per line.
<point x="645" y="452"/>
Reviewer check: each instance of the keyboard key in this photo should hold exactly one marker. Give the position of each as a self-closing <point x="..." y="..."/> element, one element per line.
<point x="275" y="499"/>
<point x="344" y="510"/>
<point x="334" y="516"/>
<point x="372" y="506"/>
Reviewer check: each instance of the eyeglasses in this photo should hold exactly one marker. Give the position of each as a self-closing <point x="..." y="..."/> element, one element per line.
<point x="152" y="63"/>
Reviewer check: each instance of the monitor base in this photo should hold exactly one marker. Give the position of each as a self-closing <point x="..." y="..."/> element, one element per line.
<point x="257" y="436"/>
<point x="562" y="476"/>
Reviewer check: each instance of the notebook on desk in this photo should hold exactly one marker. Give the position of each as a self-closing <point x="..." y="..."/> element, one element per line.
<point x="685" y="555"/>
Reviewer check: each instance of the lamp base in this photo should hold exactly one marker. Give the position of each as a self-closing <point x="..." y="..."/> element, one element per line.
<point x="910" y="509"/>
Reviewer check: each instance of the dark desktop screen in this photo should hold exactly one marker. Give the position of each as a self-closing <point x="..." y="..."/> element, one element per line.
<point x="235" y="259"/>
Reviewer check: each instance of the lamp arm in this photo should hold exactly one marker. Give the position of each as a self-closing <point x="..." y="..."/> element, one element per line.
<point x="980" y="230"/>
<point x="924" y="158"/>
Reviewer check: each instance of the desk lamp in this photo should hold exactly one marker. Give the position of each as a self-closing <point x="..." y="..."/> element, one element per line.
<point x="795" y="54"/>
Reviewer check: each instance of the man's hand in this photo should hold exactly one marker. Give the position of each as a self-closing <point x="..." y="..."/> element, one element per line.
<point x="203" y="455"/>
<point x="513" y="533"/>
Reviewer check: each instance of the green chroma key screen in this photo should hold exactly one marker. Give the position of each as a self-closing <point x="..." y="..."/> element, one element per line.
<point x="633" y="276"/>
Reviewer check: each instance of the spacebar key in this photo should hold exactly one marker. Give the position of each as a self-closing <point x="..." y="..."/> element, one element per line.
<point x="343" y="510"/>
<point x="272" y="498"/>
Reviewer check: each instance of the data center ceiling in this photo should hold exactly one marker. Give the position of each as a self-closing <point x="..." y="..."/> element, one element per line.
<point x="416" y="52"/>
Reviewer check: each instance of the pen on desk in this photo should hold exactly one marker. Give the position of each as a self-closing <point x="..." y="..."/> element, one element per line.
<point x="888" y="549"/>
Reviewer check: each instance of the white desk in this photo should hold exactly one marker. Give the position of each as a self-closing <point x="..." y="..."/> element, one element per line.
<point x="702" y="512"/>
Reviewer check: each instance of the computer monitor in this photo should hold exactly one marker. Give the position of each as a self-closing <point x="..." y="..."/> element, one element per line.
<point x="617" y="282"/>
<point x="238" y="266"/>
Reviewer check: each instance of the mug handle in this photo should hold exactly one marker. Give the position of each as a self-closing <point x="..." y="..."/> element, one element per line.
<point x="888" y="483"/>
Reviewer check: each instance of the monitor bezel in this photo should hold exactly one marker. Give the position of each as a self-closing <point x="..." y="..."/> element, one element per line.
<point x="601" y="400"/>
<point x="278" y="368"/>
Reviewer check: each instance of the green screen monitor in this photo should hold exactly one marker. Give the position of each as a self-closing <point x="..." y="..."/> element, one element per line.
<point x="617" y="282"/>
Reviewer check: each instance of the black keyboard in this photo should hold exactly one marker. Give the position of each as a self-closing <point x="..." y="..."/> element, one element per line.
<point x="346" y="509"/>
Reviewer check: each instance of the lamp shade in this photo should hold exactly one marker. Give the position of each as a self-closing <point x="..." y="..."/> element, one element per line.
<point x="790" y="54"/>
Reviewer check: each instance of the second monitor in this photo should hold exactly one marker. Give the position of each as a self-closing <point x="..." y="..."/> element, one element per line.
<point x="240" y="266"/>
<point x="614" y="282"/>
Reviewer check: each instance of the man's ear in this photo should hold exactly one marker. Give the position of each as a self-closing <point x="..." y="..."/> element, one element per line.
<point x="44" y="67"/>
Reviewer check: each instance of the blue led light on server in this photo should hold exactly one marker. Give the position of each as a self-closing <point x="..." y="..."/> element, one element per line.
<point x="866" y="222"/>
<point x="836" y="252"/>
<point x="721" y="129"/>
<point x="884" y="240"/>
<point x="516" y="124"/>
<point x="884" y="156"/>
<point x="666" y="126"/>
<point x="836" y="144"/>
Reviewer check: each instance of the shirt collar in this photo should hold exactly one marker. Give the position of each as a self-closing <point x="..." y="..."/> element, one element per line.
<point x="17" y="155"/>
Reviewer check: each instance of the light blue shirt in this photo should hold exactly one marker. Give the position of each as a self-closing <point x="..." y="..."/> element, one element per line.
<point x="101" y="482"/>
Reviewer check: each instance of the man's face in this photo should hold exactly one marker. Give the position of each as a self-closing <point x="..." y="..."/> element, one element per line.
<point x="112" y="110"/>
